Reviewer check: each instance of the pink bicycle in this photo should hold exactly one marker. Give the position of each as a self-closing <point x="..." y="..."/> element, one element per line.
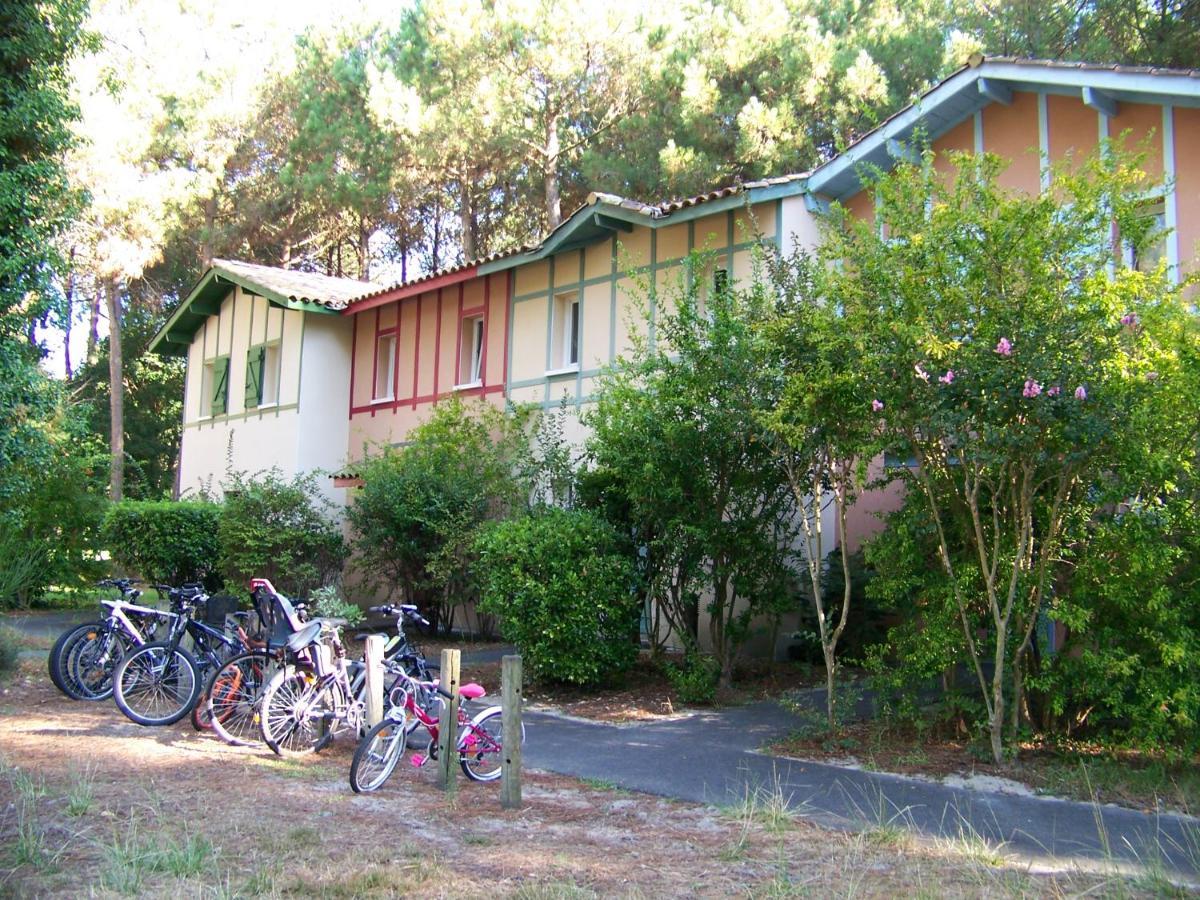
<point x="414" y="703"/>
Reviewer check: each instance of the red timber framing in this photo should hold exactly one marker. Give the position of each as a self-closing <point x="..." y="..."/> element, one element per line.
<point x="410" y="303"/>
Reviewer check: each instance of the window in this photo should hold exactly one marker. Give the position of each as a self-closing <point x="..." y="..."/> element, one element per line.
<point x="565" y="337"/>
<point x="385" y="367"/>
<point x="262" y="376"/>
<point x="214" y="387"/>
<point x="1154" y="249"/>
<point x="470" y="356"/>
<point x="270" y="376"/>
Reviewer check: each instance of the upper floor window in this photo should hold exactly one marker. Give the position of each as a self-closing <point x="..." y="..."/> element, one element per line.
<point x="262" y="376"/>
<point x="214" y="387"/>
<point x="1147" y="257"/>
<point x="470" y="356"/>
<point x="385" y="367"/>
<point x="564" y="351"/>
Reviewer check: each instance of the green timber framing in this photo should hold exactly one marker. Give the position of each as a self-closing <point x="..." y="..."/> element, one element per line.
<point x="205" y="299"/>
<point x="604" y="218"/>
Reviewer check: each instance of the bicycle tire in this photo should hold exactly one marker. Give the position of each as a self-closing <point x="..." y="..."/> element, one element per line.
<point x="56" y="662"/>
<point x="480" y="746"/>
<point x="377" y="754"/>
<point x="234" y="696"/>
<point x="92" y="662"/>
<point x="295" y="712"/>
<point x="156" y="684"/>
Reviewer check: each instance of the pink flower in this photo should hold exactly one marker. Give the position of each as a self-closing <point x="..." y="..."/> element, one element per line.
<point x="1032" y="388"/>
<point x="948" y="377"/>
<point x="1004" y="347"/>
<point x="876" y="405"/>
<point x="1129" y="320"/>
<point x="921" y="373"/>
<point x="1054" y="391"/>
<point x="1152" y="376"/>
<point x="1080" y="393"/>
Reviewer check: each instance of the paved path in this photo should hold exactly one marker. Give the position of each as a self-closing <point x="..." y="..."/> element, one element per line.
<point x="711" y="758"/>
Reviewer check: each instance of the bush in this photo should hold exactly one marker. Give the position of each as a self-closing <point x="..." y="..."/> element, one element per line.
<point x="278" y="528"/>
<point x="165" y="541"/>
<point x="10" y="649"/>
<point x="695" y="681"/>
<point x="564" y="591"/>
<point x="327" y="602"/>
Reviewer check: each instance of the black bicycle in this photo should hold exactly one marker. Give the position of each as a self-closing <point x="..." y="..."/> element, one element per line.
<point x="159" y="683"/>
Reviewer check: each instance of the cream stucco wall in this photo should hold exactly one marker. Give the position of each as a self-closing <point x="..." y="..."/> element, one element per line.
<point x="304" y="429"/>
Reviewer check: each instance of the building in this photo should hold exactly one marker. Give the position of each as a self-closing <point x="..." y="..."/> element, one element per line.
<point x="537" y="325"/>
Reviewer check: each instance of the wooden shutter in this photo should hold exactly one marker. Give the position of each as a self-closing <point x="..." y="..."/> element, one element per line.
<point x="220" y="401"/>
<point x="254" y="376"/>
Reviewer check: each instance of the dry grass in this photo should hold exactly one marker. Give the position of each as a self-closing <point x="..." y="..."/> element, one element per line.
<point x="115" y="809"/>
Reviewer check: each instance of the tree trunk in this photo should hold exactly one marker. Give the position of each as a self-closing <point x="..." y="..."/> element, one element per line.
<point x="553" y="199"/>
<point x="93" y="342"/>
<point x="69" y="300"/>
<point x="364" y="257"/>
<point x="116" y="393"/>
<point x="466" y="218"/>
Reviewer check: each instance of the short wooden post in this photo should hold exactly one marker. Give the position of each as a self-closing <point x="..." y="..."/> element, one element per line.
<point x="511" y="698"/>
<point x="448" y="723"/>
<point x="373" y="659"/>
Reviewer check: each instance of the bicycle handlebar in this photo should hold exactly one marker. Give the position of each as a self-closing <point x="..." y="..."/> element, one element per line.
<point x="408" y="610"/>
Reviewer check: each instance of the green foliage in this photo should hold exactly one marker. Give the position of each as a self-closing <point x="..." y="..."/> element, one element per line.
<point x="1020" y="375"/>
<point x="328" y="602"/>
<point x="683" y="463"/>
<point x="36" y="199"/>
<point x="280" y="529"/>
<point x="695" y="679"/>
<point x="415" y="518"/>
<point x="164" y="541"/>
<point x="563" y="586"/>
<point x="10" y="649"/>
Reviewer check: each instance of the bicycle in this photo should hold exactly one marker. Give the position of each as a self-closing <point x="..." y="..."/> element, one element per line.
<point x="479" y="744"/>
<point x="83" y="659"/>
<point x="234" y="691"/>
<point x="321" y="693"/>
<point x="158" y="683"/>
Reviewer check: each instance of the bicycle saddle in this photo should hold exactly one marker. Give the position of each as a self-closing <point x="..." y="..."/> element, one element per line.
<point x="305" y="637"/>
<point x="471" y="691"/>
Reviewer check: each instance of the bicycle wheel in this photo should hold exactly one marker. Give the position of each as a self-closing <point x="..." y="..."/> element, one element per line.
<point x="297" y="712"/>
<point x="60" y="654"/>
<point x="479" y="745"/>
<point x="234" y="695"/>
<point x="92" y="662"/>
<point x="156" y="684"/>
<point x="200" y="717"/>
<point x="376" y="756"/>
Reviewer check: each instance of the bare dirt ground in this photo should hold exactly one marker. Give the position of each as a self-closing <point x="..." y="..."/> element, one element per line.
<point x="92" y="804"/>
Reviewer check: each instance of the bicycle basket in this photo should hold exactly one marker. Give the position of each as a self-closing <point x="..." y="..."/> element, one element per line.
<point x="217" y="608"/>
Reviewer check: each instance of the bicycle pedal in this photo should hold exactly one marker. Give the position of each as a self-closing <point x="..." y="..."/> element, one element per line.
<point x="418" y="760"/>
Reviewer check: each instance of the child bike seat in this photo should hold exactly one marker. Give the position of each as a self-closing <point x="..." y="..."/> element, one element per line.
<point x="305" y="637"/>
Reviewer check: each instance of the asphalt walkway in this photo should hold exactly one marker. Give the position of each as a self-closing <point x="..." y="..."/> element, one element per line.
<point x="712" y="757"/>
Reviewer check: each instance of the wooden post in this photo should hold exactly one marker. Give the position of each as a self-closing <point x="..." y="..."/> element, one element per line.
<point x="373" y="658"/>
<point x="448" y="723"/>
<point x="510" y="718"/>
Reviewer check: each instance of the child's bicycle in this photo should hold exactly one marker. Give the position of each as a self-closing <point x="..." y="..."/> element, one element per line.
<point x="413" y="703"/>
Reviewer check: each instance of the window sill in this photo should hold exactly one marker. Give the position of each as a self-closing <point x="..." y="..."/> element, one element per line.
<point x="469" y="386"/>
<point x="379" y="401"/>
<point x="572" y="369"/>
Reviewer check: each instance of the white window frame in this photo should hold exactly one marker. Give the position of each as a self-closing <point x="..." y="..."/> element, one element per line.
<point x="1150" y="203"/>
<point x="389" y="376"/>
<point x="567" y="331"/>
<point x="270" y="375"/>
<point x="207" y="375"/>
<point x="471" y="338"/>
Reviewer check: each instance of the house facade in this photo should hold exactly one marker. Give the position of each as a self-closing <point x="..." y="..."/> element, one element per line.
<point x="268" y="372"/>
<point x="357" y="366"/>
